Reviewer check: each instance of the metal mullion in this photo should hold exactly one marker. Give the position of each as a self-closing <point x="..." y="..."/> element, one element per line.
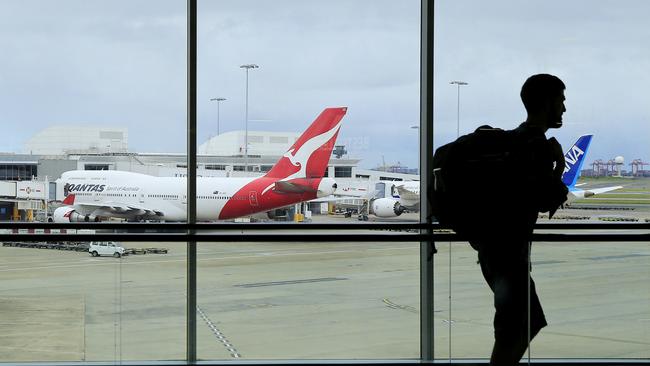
<point x="191" y="179"/>
<point x="426" y="182"/>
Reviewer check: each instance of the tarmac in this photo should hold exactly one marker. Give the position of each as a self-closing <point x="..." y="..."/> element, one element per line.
<point x="284" y="301"/>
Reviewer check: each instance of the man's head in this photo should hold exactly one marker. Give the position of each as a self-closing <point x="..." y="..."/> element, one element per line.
<point x="543" y="97"/>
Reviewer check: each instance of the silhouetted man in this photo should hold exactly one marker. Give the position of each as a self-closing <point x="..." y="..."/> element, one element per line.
<point x="504" y="257"/>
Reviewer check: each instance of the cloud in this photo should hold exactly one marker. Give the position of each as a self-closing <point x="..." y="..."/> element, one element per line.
<point x="124" y="64"/>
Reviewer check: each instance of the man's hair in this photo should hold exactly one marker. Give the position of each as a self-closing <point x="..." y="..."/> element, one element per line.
<point x="538" y="89"/>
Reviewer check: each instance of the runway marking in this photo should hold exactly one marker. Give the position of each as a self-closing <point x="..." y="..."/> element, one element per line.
<point x="606" y="257"/>
<point x="392" y="305"/>
<point x="547" y="262"/>
<point x="290" y="282"/>
<point x="218" y="334"/>
<point x="599" y="338"/>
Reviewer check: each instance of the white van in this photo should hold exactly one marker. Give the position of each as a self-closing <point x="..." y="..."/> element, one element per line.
<point x="98" y="248"/>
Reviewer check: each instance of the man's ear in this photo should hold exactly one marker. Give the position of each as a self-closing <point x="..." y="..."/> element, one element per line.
<point x="547" y="109"/>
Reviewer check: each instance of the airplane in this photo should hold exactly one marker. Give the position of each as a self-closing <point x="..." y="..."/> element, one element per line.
<point x="573" y="160"/>
<point x="405" y="198"/>
<point x="383" y="197"/>
<point x="408" y="198"/>
<point x="296" y="177"/>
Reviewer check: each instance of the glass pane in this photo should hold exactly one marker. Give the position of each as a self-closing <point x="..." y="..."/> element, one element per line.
<point x="308" y="300"/>
<point x="268" y="70"/>
<point x="93" y="87"/>
<point x="596" y="297"/>
<point x="462" y="321"/>
<point x="62" y="303"/>
<point x="483" y="55"/>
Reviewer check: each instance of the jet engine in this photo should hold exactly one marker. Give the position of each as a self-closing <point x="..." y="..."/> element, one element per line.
<point x="68" y="214"/>
<point x="386" y="207"/>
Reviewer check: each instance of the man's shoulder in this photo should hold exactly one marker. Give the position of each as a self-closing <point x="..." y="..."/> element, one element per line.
<point x="530" y="131"/>
<point x="529" y="135"/>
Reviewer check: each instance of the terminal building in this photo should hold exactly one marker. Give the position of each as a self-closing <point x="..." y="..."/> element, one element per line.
<point x="57" y="149"/>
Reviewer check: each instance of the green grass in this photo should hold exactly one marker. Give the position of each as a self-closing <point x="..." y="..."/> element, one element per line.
<point x="629" y="184"/>
<point x="612" y="202"/>
<point x="623" y="195"/>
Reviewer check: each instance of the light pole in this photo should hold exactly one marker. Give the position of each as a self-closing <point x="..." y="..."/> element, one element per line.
<point x="458" y="84"/>
<point x="218" y="100"/>
<point x="246" y="67"/>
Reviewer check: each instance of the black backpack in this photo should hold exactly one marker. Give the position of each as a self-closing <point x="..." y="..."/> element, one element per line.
<point x="473" y="179"/>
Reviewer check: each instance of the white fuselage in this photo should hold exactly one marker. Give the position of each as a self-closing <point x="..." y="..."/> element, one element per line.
<point x="133" y="196"/>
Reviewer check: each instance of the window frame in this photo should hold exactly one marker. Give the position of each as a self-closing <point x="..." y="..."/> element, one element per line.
<point x="425" y="232"/>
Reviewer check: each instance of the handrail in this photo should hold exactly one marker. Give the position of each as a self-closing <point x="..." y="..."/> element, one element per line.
<point x="298" y="226"/>
<point x="308" y="237"/>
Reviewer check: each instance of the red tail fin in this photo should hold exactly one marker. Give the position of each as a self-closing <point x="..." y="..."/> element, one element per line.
<point x="69" y="199"/>
<point x="309" y="155"/>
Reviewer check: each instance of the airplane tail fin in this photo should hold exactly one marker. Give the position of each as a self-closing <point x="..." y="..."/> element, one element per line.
<point x="574" y="158"/>
<point x="309" y="155"/>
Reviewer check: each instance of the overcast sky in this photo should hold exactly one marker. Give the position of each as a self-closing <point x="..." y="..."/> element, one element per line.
<point x="122" y="63"/>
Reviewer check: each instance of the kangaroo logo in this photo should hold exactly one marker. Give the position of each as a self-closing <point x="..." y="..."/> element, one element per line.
<point x="299" y="156"/>
<point x="292" y="158"/>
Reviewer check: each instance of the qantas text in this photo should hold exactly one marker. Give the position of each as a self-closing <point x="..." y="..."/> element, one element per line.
<point x="99" y="188"/>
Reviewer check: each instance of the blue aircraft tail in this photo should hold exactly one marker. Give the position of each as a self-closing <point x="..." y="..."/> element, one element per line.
<point x="574" y="158"/>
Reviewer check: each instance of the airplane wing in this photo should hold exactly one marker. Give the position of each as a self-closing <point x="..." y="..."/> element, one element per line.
<point x="407" y="194"/>
<point x="585" y="193"/>
<point x="603" y="190"/>
<point x="333" y="198"/>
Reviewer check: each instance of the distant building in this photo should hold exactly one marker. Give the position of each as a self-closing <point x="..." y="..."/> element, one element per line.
<point x="61" y="140"/>
<point x="397" y="168"/>
<point x="260" y="143"/>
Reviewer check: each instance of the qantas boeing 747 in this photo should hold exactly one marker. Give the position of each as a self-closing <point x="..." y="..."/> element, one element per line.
<point x="296" y="177"/>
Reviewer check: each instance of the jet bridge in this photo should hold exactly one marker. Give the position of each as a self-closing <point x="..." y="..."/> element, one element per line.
<point x="19" y="200"/>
